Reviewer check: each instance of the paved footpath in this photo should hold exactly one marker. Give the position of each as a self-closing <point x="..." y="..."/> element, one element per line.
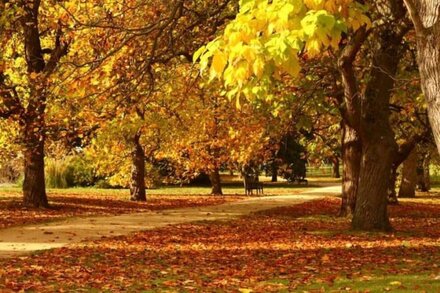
<point x="25" y="239"/>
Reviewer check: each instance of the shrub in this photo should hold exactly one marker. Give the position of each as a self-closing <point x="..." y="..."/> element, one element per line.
<point x="59" y="173"/>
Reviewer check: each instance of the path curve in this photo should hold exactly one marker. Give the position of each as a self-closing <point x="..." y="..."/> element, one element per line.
<point x="30" y="238"/>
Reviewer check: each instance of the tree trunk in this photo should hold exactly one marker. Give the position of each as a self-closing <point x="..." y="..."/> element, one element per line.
<point x="392" y="195"/>
<point x="409" y="176"/>
<point x="351" y="160"/>
<point x="379" y="147"/>
<point x="426" y="174"/>
<point x="34" y="188"/>
<point x="274" y="170"/>
<point x="214" y="177"/>
<point x="372" y="199"/>
<point x="137" y="185"/>
<point x="335" y="167"/>
<point x="426" y="18"/>
<point x="33" y="118"/>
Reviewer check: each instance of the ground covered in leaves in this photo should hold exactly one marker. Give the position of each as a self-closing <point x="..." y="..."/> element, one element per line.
<point x="292" y="249"/>
<point x="72" y="203"/>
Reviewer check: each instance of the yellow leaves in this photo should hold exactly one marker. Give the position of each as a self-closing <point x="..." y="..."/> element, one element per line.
<point x="198" y="53"/>
<point x="357" y="19"/>
<point x="258" y="66"/>
<point x="219" y="62"/>
<point x="291" y="67"/>
<point x="266" y="37"/>
<point x="315" y="4"/>
<point x="313" y="47"/>
<point x="241" y="72"/>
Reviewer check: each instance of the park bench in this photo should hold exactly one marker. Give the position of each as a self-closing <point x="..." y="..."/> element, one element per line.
<point x="251" y="183"/>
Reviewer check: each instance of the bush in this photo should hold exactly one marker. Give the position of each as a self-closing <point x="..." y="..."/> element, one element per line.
<point x="59" y="174"/>
<point x="84" y="173"/>
<point x="69" y="172"/>
<point x="103" y="184"/>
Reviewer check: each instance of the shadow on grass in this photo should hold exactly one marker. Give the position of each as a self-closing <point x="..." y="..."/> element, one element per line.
<point x="265" y="253"/>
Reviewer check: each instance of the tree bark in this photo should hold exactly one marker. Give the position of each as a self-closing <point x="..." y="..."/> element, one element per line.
<point x="409" y="176"/>
<point x="426" y="171"/>
<point x="392" y="195"/>
<point x="351" y="160"/>
<point x="32" y="119"/>
<point x="137" y="185"/>
<point x="34" y="191"/>
<point x="335" y="167"/>
<point x="214" y="177"/>
<point x="426" y="18"/>
<point x="379" y="147"/>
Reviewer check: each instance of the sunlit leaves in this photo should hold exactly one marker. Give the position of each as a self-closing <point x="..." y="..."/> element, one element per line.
<point x="267" y="39"/>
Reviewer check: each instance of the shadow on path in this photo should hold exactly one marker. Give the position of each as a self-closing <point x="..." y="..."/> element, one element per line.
<point x="31" y="238"/>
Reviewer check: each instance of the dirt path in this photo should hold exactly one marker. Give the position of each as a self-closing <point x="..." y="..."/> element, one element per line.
<point x="30" y="238"/>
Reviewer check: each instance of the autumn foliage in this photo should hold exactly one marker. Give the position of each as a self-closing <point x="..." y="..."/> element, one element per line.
<point x="287" y="249"/>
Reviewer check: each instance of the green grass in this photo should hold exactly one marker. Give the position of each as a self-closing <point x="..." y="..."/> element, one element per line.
<point x="231" y="187"/>
<point x="393" y="283"/>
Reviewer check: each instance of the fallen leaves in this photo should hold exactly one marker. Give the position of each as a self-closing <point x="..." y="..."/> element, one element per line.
<point x="299" y="248"/>
<point x="64" y="205"/>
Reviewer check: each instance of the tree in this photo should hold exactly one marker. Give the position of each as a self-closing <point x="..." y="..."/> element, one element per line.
<point x="32" y="52"/>
<point x="409" y="176"/>
<point x="426" y="18"/>
<point x="301" y="30"/>
<point x="132" y="46"/>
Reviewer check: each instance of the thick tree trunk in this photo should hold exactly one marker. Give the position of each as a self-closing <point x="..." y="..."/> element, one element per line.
<point x="214" y="177"/>
<point x="137" y="185"/>
<point x="34" y="188"/>
<point x="372" y="199"/>
<point x="335" y="167"/>
<point x="409" y="176"/>
<point x="378" y="144"/>
<point x="426" y="18"/>
<point x="351" y="160"/>
<point x="32" y="119"/>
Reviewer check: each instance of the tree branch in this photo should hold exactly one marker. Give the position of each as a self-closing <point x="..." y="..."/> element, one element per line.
<point x="351" y="89"/>
<point x="9" y="101"/>
<point x="60" y="50"/>
<point x="414" y="14"/>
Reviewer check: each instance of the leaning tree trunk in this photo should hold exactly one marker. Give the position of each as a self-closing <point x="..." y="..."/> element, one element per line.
<point x="351" y="160"/>
<point x="214" y="177"/>
<point x="335" y="167"/>
<point x="137" y="184"/>
<point x="409" y="176"/>
<point x="426" y="18"/>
